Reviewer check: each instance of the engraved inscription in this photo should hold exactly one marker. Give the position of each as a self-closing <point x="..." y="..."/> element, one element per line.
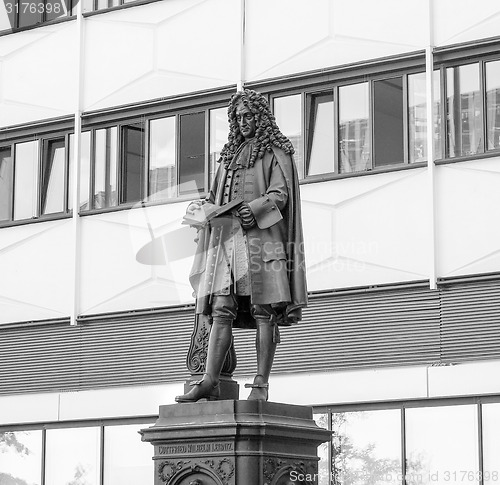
<point x="194" y="448"/>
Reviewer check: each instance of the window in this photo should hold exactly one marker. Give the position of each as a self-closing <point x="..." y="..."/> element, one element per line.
<point x="493" y="104"/>
<point x="126" y="458"/>
<point x="192" y="154"/>
<point x="162" y="156"/>
<point x="72" y="456"/>
<point x="78" y="455"/>
<point x="360" y="126"/>
<point x="320" y="146"/>
<point x="6" y="174"/>
<point x="105" y="189"/>
<point x="53" y="176"/>
<point x="417" y="117"/>
<point x="21" y="457"/>
<point x="425" y="442"/>
<point x="388" y="124"/>
<point x="133" y="158"/>
<point x="354" y="139"/>
<point x="26" y="180"/>
<point x="27" y="14"/>
<point x="219" y="129"/>
<point x="464" y="110"/>
<point x="287" y="111"/>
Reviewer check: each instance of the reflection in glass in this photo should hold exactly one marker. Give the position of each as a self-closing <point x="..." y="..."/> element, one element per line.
<point x="491" y="443"/>
<point x="417" y="117"/>
<point x="6" y="173"/>
<point x="25" y="180"/>
<point x="388" y="125"/>
<point x="324" y="461"/>
<point x="441" y="443"/>
<point x="105" y="169"/>
<point x="192" y="154"/>
<point x="320" y="144"/>
<point x="84" y="170"/>
<point x="219" y="129"/>
<point x="366" y="448"/>
<point x="132" y="162"/>
<point x="162" y="174"/>
<point x="493" y="104"/>
<point x="126" y="460"/>
<point x="53" y="176"/>
<point x="21" y="457"/>
<point x="354" y="139"/>
<point x="464" y="112"/>
<point x="288" y="114"/>
<point x="72" y="456"/>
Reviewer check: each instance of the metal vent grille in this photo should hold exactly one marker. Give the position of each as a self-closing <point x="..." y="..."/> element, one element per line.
<point x="471" y="321"/>
<point x="374" y="328"/>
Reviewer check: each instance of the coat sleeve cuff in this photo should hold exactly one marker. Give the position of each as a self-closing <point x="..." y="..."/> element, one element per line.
<point x="265" y="212"/>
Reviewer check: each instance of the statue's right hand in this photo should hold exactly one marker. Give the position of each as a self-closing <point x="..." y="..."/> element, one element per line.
<point x="194" y="206"/>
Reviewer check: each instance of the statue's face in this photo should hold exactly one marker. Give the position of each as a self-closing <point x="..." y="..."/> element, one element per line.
<point x="246" y="121"/>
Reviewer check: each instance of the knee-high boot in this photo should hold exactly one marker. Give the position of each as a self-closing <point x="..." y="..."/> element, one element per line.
<point x="266" y="341"/>
<point x="219" y="343"/>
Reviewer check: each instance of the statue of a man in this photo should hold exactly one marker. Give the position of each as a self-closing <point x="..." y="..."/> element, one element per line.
<point x="249" y="268"/>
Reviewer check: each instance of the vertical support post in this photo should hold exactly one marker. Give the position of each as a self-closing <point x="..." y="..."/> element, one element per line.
<point x="76" y="230"/>
<point x="243" y="59"/>
<point x="431" y="167"/>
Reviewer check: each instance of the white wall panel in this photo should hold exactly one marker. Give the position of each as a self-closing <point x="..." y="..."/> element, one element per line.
<point x="159" y="50"/>
<point x="366" y="230"/>
<point x="468" y="208"/>
<point x="35" y="264"/>
<point x="323" y="33"/>
<point x="457" y="21"/>
<point x="38" y="75"/>
<point x="136" y="259"/>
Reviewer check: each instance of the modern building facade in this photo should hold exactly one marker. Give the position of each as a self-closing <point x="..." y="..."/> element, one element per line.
<point x="111" y="119"/>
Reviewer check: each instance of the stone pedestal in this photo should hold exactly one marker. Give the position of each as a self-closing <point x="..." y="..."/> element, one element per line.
<point x="235" y="443"/>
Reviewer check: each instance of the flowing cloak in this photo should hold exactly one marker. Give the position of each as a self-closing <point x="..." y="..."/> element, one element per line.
<point x="289" y="312"/>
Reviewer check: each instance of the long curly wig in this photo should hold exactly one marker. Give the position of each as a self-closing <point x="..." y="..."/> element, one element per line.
<point x="267" y="133"/>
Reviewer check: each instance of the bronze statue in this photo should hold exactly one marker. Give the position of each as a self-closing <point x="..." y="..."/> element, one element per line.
<point x="249" y="269"/>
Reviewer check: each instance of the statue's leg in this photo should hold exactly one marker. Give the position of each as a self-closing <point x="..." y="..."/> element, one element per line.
<point x="219" y="342"/>
<point x="266" y="340"/>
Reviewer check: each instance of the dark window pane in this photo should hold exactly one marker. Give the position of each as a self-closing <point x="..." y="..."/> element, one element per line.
<point x="6" y="173"/>
<point x="29" y="13"/>
<point x="192" y="154"/>
<point x="388" y="141"/>
<point x="464" y="113"/>
<point x="25" y="180"/>
<point x="493" y="104"/>
<point x="320" y="143"/>
<point x="53" y="175"/>
<point x="354" y="134"/>
<point x="162" y="175"/>
<point x="53" y="9"/>
<point x="132" y="163"/>
<point x="105" y="170"/>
